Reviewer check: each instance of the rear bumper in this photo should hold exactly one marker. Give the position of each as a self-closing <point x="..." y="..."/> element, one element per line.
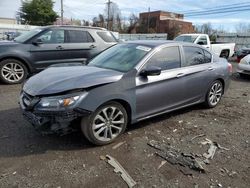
<point x="243" y="69"/>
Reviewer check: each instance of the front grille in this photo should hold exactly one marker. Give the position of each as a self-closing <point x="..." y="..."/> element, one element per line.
<point x="62" y="114"/>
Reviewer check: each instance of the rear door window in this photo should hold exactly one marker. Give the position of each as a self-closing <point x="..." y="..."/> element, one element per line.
<point x="106" y="36"/>
<point x="167" y="58"/>
<point x="193" y="56"/>
<point x="78" y="36"/>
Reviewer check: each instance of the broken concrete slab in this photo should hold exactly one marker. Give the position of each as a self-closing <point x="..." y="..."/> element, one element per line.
<point x="176" y="157"/>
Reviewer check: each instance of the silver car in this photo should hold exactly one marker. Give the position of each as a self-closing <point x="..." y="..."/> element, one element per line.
<point x="243" y="67"/>
<point x="125" y="84"/>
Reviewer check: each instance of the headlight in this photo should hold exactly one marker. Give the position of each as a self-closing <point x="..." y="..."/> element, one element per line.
<point x="59" y="102"/>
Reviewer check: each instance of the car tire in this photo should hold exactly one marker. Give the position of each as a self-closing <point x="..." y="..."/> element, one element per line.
<point x="12" y="71"/>
<point x="105" y="124"/>
<point x="214" y="94"/>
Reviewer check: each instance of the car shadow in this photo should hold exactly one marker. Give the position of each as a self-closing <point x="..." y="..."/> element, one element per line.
<point x="236" y="77"/>
<point x="19" y="138"/>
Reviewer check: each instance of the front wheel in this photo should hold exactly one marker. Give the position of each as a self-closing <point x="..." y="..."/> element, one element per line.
<point x="107" y="123"/>
<point x="12" y="71"/>
<point x="214" y="94"/>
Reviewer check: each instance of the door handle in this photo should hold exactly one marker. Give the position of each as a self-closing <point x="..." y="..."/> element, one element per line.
<point x="92" y="46"/>
<point x="180" y="75"/>
<point x="210" y="68"/>
<point x="59" y="48"/>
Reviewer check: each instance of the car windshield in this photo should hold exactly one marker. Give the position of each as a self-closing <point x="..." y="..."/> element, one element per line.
<point x="121" y="57"/>
<point x="186" y="38"/>
<point x="25" y="36"/>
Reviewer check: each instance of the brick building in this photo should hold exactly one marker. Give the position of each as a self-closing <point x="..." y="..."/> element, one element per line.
<point x="164" y="22"/>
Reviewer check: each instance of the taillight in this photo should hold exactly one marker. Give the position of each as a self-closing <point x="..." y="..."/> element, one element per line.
<point x="230" y="67"/>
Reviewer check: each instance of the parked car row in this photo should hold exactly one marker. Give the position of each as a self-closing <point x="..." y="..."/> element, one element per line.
<point x="120" y="84"/>
<point x="39" y="48"/>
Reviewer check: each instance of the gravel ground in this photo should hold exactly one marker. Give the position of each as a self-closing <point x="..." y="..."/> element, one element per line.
<point x="28" y="159"/>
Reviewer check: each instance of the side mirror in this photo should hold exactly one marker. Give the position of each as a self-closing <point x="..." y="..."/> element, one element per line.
<point x="151" y="71"/>
<point x="37" y="42"/>
<point x="200" y="43"/>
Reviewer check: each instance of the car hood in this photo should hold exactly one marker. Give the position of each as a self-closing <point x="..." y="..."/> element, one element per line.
<point x="8" y="43"/>
<point x="60" y="79"/>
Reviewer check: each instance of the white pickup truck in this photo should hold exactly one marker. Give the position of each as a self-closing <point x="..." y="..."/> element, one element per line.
<point x="225" y="50"/>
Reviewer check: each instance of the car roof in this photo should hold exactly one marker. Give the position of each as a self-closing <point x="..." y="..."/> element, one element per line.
<point x="192" y="34"/>
<point x="156" y="43"/>
<point x="74" y="26"/>
<point x="151" y="43"/>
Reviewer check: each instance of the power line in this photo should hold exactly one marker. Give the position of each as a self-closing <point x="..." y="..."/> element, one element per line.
<point x="221" y="12"/>
<point x="218" y="10"/>
<point x="217" y="7"/>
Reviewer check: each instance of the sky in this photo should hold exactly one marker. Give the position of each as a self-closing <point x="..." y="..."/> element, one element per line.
<point x="87" y="9"/>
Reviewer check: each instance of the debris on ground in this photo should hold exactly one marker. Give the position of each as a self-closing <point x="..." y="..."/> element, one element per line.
<point x="212" y="149"/>
<point x="200" y="135"/>
<point x="176" y="157"/>
<point x="162" y="163"/>
<point x="120" y="170"/>
<point x="229" y="173"/>
<point x="118" y="145"/>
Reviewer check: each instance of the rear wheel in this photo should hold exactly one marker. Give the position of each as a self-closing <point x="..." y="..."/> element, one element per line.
<point x="214" y="94"/>
<point x="12" y="71"/>
<point x="105" y="124"/>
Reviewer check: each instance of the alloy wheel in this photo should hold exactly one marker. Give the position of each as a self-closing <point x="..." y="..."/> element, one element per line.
<point x="215" y="93"/>
<point x="12" y="72"/>
<point x="108" y="123"/>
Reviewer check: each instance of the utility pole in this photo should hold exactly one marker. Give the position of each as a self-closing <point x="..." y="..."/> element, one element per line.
<point x="148" y="19"/>
<point x="108" y="3"/>
<point x="61" y="12"/>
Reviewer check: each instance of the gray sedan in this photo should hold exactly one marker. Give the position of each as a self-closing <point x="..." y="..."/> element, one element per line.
<point x="125" y="84"/>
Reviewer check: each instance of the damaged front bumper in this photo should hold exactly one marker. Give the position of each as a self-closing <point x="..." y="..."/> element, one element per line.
<point x="48" y="122"/>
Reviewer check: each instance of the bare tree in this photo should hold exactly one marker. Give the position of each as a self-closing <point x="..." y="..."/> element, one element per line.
<point x="242" y="28"/>
<point x="133" y="23"/>
<point x="205" y="28"/>
<point x="98" y="21"/>
<point x="112" y="14"/>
